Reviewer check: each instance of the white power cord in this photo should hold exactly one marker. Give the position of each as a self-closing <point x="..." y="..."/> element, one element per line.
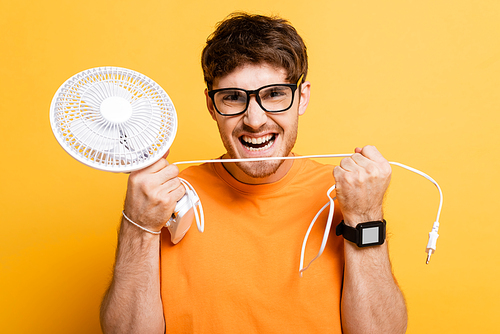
<point x="195" y="202"/>
<point x="329" y="222"/>
<point x="433" y="235"/>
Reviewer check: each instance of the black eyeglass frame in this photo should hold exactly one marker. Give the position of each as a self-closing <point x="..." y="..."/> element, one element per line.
<point x="293" y="87"/>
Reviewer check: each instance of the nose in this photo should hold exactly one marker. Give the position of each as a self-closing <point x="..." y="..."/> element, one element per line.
<point x="255" y="116"/>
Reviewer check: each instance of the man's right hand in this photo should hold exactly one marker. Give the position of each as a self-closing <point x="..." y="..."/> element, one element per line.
<point x="152" y="194"/>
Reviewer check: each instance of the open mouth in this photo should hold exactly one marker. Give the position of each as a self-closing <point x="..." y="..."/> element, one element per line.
<point x="259" y="143"/>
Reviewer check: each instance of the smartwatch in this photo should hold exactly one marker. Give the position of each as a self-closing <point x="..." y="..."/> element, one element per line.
<point x="364" y="234"/>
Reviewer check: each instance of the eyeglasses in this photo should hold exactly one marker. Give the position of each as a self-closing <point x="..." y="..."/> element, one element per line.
<point x="271" y="98"/>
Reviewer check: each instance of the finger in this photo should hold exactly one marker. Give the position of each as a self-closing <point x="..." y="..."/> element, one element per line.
<point x="372" y="153"/>
<point x="348" y="164"/>
<point x="170" y="184"/>
<point x="153" y="168"/>
<point x="358" y="158"/>
<point x="174" y="190"/>
<point x="337" y="173"/>
<point x="178" y="192"/>
<point x="166" y="174"/>
<point x="166" y="154"/>
<point x="151" y="177"/>
<point x="158" y="165"/>
<point x="361" y="160"/>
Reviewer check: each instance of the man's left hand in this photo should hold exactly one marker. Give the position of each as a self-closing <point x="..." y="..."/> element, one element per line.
<point x="361" y="182"/>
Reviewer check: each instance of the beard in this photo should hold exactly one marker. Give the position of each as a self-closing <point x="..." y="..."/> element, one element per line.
<point x="261" y="169"/>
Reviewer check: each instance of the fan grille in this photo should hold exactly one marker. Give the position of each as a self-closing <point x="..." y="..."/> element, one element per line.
<point x="113" y="119"/>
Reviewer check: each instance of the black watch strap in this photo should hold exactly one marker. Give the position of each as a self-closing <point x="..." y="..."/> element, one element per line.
<point x="364" y="234"/>
<point x="348" y="232"/>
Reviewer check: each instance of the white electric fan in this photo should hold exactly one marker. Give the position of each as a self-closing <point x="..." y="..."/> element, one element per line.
<point x="118" y="120"/>
<point x="113" y="119"/>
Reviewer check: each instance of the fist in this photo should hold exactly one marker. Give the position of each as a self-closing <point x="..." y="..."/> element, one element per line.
<point x="152" y="194"/>
<point x="361" y="181"/>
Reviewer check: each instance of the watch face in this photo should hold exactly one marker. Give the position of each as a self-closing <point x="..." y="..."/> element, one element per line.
<point x="371" y="234"/>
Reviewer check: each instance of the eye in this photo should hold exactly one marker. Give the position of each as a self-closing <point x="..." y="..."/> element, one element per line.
<point x="273" y="93"/>
<point x="277" y="93"/>
<point x="232" y="96"/>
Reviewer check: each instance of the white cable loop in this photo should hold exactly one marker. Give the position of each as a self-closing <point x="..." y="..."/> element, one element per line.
<point x="431" y="245"/>
<point x="329" y="222"/>
<point x="139" y="226"/>
<point x="200" y="218"/>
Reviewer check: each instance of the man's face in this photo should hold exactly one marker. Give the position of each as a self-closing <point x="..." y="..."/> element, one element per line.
<point x="257" y="133"/>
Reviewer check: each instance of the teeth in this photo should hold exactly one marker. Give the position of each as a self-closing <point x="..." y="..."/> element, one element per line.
<point x="267" y="140"/>
<point x="261" y="148"/>
<point x="259" y="140"/>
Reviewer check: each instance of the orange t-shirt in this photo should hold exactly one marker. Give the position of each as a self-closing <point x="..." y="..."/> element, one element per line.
<point x="242" y="274"/>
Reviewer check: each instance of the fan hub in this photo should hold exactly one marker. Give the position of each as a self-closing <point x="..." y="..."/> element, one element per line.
<point x="116" y="109"/>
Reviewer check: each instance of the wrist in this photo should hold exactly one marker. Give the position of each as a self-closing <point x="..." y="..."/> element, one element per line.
<point x="133" y="232"/>
<point x="140" y="226"/>
<point x="354" y="219"/>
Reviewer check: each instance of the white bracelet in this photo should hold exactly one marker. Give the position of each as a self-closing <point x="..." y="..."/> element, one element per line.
<point x="139" y="226"/>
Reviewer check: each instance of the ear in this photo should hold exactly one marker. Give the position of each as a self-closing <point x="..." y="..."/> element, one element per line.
<point x="305" y="94"/>
<point x="210" y="105"/>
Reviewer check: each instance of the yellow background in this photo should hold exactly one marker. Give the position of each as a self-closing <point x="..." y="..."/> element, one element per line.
<point x="418" y="79"/>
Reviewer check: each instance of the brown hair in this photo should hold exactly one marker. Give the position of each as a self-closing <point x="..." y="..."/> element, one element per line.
<point x="244" y="38"/>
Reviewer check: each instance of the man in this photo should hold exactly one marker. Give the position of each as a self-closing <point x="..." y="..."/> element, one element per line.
<point x="241" y="275"/>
